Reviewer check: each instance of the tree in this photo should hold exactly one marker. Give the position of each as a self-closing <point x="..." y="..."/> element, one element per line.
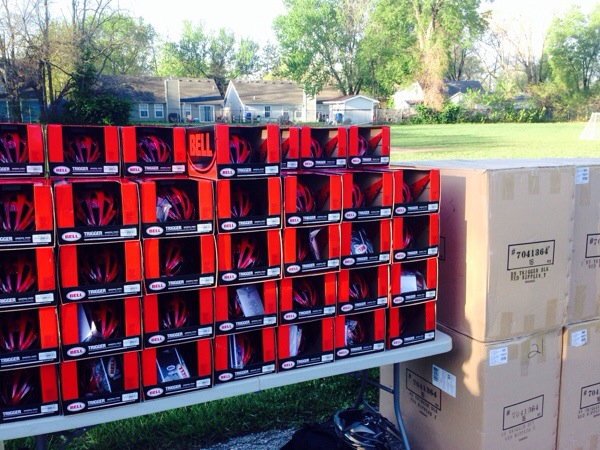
<point x="186" y="57"/>
<point x="320" y="42"/>
<point x="247" y="59"/>
<point x="574" y="49"/>
<point x="220" y="58"/>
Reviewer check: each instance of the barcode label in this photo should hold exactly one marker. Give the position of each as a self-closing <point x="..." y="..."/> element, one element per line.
<point x="498" y="356"/>
<point x="579" y="338"/>
<point x="443" y="380"/>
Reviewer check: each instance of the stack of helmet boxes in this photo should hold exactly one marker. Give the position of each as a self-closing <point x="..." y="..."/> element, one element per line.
<point x="505" y="240"/>
<point x="99" y="269"/>
<point x="29" y="338"/>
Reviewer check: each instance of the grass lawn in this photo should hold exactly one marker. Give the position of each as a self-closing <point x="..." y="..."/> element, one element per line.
<point x="479" y="141"/>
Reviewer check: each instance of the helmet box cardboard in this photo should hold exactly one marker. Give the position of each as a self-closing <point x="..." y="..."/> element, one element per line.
<point x="26" y="213"/>
<point x="244" y="307"/>
<point x="413" y="281"/>
<point x="323" y="148"/>
<point x="311" y="250"/>
<point x="28" y="337"/>
<point x="27" y="278"/>
<point x="83" y="150"/>
<point x="90" y="329"/>
<point x="22" y="150"/>
<point x="223" y="151"/>
<point x="153" y="150"/>
<point x="312" y="199"/>
<point x="359" y="334"/>
<point x="290" y="147"/>
<point x="367" y="195"/>
<point x="175" y="317"/>
<point x="410" y="325"/>
<point x="99" y="271"/>
<point x="176" y="206"/>
<point x="365" y="244"/>
<point x="307" y="298"/>
<point x="93" y="210"/>
<point x="248" y="205"/>
<point x="362" y="289"/>
<point x="304" y="344"/>
<point x="179" y="263"/>
<point x="368" y="146"/>
<point x="415" y="237"/>
<point x="176" y="369"/>
<point x="416" y="191"/>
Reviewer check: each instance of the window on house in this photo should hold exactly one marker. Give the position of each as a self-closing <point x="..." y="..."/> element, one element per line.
<point x="159" y="110"/>
<point x="144" y="111"/>
<point x="267" y="111"/>
<point x="187" y="111"/>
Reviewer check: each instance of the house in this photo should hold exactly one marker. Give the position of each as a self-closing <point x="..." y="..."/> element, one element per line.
<point x="30" y="107"/>
<point x="274" y="101"/>
<point x="158" y="99"/>
<point x="352" y="109"/>
<point x="453" y="91"/>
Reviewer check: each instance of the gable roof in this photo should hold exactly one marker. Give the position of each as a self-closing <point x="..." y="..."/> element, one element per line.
<point x="276" y="92"/>
<point x="346" y="98"/>
<point x="462" y="86"/>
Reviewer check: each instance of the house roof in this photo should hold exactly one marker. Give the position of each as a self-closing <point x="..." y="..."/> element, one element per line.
<point x="462" y="86"/>
<point x="346" y="98"/>
<point x="152" y="89"/>
<point x="276" y="92"/>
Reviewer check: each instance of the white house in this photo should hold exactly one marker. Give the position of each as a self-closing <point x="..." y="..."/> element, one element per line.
<point x="352" y="109"/>
<point x="453" y="91"/>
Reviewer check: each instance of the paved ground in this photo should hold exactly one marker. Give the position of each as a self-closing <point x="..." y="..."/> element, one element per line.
<point x="267" y="440"/>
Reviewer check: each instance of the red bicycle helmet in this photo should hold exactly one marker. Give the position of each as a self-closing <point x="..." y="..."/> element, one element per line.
<point x="241" y="203"/>
<point x="17" y="274"/>
<point x="93" y="380"/>
<point x="18" y="331"/>
<point x="246" y="253"/>
<point x="363" y="146"/>
<point x="16" y="387"/>
<point x="305" y="199"/>
<point x="174" y="260"/>
<point x="303" y="252"/>
<point x="96" y="208"/>
<point x="152" y="149"/>
<point x="419" y="278"/>
<point x="81" y="148"/>
<point x="175" y="313"/>
<point x="304" y="293"/>
<point x="355" y="333"/>
<point x="358" y="288"/>
<point x="102" y="266"/>
<point x="240" y="150"/>
<point x="106" y="320"/>
<point x="173" y="204"/>
<point x="16" y="212"/>
<point x="243" y="351"/>
<point x="406" y="193"/>
<point x="407" y="237"/>
<point x="315" y="148"/>
<point x="13" y="148"/>
<point x="358" y="198"/>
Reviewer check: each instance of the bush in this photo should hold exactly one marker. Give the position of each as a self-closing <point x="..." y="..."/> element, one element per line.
<point x="99" y="109"/>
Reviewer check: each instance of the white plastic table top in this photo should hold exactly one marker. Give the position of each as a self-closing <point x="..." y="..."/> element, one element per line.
<point x="47" y="425"/>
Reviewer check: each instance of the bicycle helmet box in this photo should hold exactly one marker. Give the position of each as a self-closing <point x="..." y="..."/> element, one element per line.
<point x="224" y="151"/>
<point x="368" y="146"/>
<point x="323" y="147"/>
<point x="152" y="151"/>
<point x="99" y="383"/>
<point x="365" y="244"/>
<point x="29" y="393"/>
<point x="248" y="205"/>
<point x="27" y="278"/>
<point x="416" y="191"/>
<point x="366" y="195"/>
<point x="93" y="210"/>
<point x="312" y="199"/>
<point x="413" y="281"/>
<point x="362" y="289"/>
<point x="410" y="325"/>
<point x="245" y="307"/>
<point x="90" y="329"/>
<point x="290" y="147"/>
<point x="176" y="206"/>
<point x="28" y="337"/>
<point x="99" y="271"/>
<point x="243" y="355"/>
<point x="176" y="369"/>
<point x="26" y="213"/>
<point x="304" y="344"/>
<point x="179" y="263"/>
<point x="307" y="251"/>
<point x="415" y="237"/>
<point x="307" y="298"/>
<point x="249" y="257"/>
<point x="22" y="150"/>
<point x="359" y="334"/>
<point x="175" y="317"/>
<point x="76" y="150"/>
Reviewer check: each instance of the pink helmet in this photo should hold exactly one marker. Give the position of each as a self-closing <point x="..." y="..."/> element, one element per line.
<point x="152" y="149"/>
<point x="13" y="148"/>
<point x="17" y="274"/>
<point x="246" y="252"/>
<point x="96" y="207"/>
<point x="304" y="293"/>
<point x="173" y="204"/>
<point x="16" y="212"/>
<point x="81" y="148"/>
<point x="100" y="266"/>
<point x="240" y="150"/>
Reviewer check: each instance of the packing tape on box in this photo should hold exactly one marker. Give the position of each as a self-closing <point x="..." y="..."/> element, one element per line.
<point x="555" y="181"/>
<point x="508" y="186"/>
<point x="506" y="320"/>
<point x="551" y="314"/>
<point x="583" y="194"/>
<point x="578" y="301"/>
<point x="594" y="439"/>
<point x="533" y="183"/>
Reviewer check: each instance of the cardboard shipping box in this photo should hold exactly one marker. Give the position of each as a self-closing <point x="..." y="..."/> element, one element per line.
<point x="579" y="413"/>
<point x="584" y="296"/>
<point x="505" y="244"/>
<point x="501" y="395"/>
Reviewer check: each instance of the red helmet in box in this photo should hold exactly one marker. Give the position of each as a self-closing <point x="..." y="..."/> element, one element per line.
<point x="13" y="148"/>
<point x="105" y="319"/>
<point x="18" y="331"/>
<point x="81" y="148"/>
<point x="246" y="252"/>
<point x="152" y="149"/>
<point x="363" y="146"/>
<point x="241" y="203"/>
<point x="96" y="207"/>
<point x="305" y="199"/>
<point x="173" y="204"/>
<point x="16" y="387"/>
<point x="101" y="266"/>
<point x="174" y="260"/>
<point x="304" y="293"/>
<point x="17" y="274"/>
<point x="174" y="313"/>
<point x="358" y="198"/>
<point x="358" y="288"/>
<point x="16" y="212"/>
<point x="240" y="150"/>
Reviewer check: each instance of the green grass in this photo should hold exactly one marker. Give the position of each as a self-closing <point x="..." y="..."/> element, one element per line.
<point x="485" y="141"/>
